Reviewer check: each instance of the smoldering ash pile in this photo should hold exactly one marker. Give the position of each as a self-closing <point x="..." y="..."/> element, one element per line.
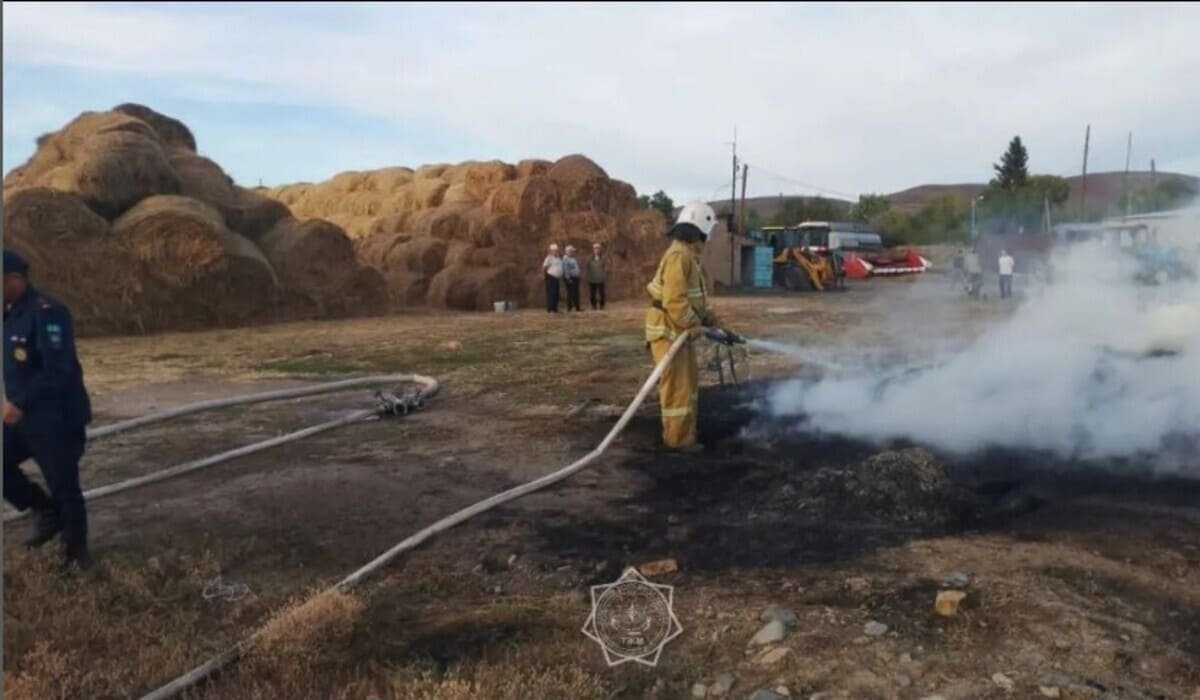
<point x="1092" y="366"/>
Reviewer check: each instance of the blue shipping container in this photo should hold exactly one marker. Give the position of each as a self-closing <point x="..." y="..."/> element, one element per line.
<point x="764" y="267"/>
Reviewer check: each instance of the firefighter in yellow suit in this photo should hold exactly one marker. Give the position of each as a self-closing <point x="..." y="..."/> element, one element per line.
<point x="679" y="305"/>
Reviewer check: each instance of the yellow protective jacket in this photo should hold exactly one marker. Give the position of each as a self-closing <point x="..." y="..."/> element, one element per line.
<point x="678" y="295"/>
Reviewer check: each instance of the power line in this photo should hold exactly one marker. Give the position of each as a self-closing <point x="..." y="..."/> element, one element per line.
<point x="801" y="183"/>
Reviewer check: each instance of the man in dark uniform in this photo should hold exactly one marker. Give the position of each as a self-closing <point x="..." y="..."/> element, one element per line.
<point x="46" y="410"/>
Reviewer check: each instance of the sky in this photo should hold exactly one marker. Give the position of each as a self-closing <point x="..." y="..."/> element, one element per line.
<point x="825" y="99"/>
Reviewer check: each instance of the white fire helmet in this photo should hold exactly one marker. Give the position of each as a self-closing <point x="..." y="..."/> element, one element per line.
<point x="700" y="215"/>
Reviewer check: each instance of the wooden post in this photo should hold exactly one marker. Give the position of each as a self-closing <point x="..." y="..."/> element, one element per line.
<point x="1087" y="135"/>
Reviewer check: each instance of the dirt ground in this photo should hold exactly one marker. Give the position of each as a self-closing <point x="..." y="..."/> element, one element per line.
<point x="1084" y="584"/>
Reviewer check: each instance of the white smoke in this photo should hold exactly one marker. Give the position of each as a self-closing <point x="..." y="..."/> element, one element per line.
<point x="1077" y="370"/>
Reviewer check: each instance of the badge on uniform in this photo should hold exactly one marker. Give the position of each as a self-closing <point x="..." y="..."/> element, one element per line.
<point x="54" y="334"/>
<point x="20" y="355"/>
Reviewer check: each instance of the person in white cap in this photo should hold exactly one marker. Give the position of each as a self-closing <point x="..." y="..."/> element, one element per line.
<point x="552" y="266"/>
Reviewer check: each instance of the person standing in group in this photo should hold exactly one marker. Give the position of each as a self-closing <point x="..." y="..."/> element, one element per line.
<point x="974" y="273"/>
<point x="571" y="274"/>
<point x="46" y="412"/>
<point x="1006" y="265"/>
<point x="552" y="266"/>
<point x="679" y="306"/>
<point x="597" y="275"/>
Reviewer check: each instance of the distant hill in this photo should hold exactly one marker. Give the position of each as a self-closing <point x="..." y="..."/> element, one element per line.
<point x="1103" y="190"/>
<point x="1103" y="193"/>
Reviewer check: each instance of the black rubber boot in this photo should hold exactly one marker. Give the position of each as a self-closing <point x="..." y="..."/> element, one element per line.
<point x="46" y="524"/>
<point x="78" y="559"/>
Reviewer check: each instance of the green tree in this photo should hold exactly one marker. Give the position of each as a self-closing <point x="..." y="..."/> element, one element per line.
<point x="1012" y="171"/>
<point x="660" y="201"/>
<point x="942" y="219"/>
<point x="869" y="208"/>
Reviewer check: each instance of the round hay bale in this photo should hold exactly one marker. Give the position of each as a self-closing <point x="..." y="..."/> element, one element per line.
<point x="483" y="178"/>
<point x="459" y="253"/>
<point x="622" y="197"/>
<point x="574" y="168"/>
<point x="74" y="258"/>
<point x="450" y="223"/>
<point x="406" y="288"/>
<point x="312" y="257"/>
<point x="457" y="174"/>
<point x="388" y="180"/>
<point x="358" y="227"/>
<point x="528" y="199"/>
<point x="427" y="194"/>
<point x="348" y="181"/>
<point x="391" y="224"/>
<point x="177" y="238"/>
<point x="453" y="288"/>
<point x="458" y="194"/>
<point x="72" y="137"/>
<point x="499" y="230"/>
<point x="377" y="250"/>
<point x="430" y="172"/>
<point x="474" y="289"/>
<point x="252" y="214"/>
<point x="531" y="167"/>
<point x="502" y="283"/>
<point x="425" y="256"/>
<point x="241" y="290"/>
<point x="590" y="194"/>
<point x="647" y="225"/>
<point x="364" y="294"/>
<point x="582" y="229"/>
<point x="59" y="148"/>
<point x="200" y="178"/>
<point x="117" y="169"/>
<point x="358" y="203"/>
<point x="171" y="132"/>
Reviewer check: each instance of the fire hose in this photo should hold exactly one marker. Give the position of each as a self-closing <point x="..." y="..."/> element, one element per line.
<point x="215" y="664"/>
<point x="389" y="404"/>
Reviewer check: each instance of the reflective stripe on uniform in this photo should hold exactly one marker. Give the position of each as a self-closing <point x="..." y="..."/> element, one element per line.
<point x="676" y="412"/>
<point x="696" y="292"/>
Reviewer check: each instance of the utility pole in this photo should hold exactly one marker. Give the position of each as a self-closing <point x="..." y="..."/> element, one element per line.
<point x="1087" y="135"/>
<point x="1045" y="215"/>
<point x="1125" y="181"/>
<point x="732" y="207"/>
<point x="742" y="221"/>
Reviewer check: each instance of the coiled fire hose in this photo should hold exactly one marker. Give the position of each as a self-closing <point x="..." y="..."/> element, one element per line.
<point x="215" y="664"/>
<point x="389" y="403"/>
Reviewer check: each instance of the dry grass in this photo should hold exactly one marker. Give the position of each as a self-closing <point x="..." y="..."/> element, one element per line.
<point x="428" y="632"/>
<point x="117" y="629"/>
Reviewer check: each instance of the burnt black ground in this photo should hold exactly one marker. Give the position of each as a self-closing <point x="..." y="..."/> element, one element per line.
<point x="750" y="500"/>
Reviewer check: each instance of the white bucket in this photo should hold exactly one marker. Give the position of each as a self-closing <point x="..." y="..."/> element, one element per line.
<point x="503" y="306"/>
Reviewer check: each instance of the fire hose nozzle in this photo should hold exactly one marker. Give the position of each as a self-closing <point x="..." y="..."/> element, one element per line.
<point x="722" y="336"/>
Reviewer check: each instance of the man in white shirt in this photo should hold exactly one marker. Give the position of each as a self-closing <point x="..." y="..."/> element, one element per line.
<point x="1006" y="265"/>
<point x="553" y="267"/>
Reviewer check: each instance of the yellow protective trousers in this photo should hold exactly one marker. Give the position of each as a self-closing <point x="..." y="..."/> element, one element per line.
<point x="678" y="393"/>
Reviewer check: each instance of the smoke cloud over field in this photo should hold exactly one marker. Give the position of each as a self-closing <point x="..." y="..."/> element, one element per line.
<point x="1092" y="365"/>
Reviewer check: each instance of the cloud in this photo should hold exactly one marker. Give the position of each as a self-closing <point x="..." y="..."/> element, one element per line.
<point x="850" y="97"/>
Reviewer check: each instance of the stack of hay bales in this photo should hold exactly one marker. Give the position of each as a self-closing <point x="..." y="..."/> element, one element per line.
<point x="464" y="236"/>
<point x="124" y="221"/>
